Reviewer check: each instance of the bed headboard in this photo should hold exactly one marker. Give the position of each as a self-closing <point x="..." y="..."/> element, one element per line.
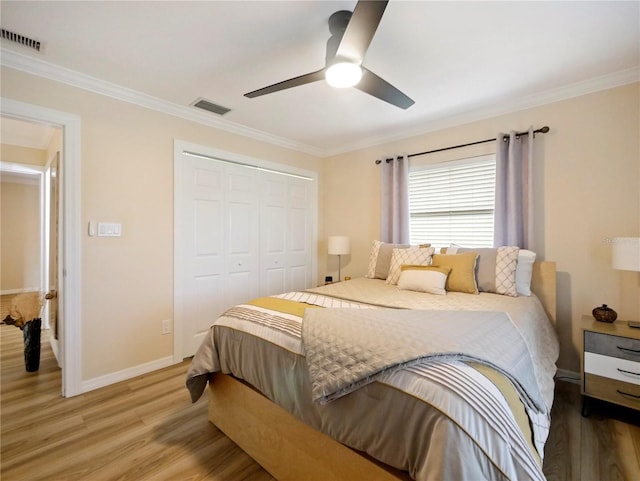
<point x="543" y="285"/>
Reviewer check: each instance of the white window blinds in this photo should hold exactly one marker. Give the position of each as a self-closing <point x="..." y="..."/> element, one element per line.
<point x="453" y="202"/>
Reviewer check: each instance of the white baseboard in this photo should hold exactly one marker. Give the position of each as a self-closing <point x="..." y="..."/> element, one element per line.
<point x="8" y="292"/>
<point x="568" y="376"/>
<point x="108" y="379"/>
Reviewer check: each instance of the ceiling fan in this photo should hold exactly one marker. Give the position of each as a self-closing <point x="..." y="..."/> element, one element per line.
<point x="351" y="35"/>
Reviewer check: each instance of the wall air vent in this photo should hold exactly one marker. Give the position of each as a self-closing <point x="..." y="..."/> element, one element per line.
<point x="210" y="106"/>
<point x="21" y="40"/>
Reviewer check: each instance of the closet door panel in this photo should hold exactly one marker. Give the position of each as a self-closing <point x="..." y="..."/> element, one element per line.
<point x="242" y="231"/>
<point x="299" y="234"/>
<point x="203" y="252"/>
<point x="273" y="229"/>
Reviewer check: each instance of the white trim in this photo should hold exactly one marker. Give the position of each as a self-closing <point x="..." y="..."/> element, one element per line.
<point x="67" y="76"/>
<point x="70" y="291"/>
<point x="180" y="147"/>
<point x="51" y="71"/>
<point x="585" y="87"/>
<point x="125" y="374"/>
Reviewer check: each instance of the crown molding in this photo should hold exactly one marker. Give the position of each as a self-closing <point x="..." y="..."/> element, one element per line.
<point x="578" y="89"/>
<point x="30" y="65"/>
<point x="54" y="72"/>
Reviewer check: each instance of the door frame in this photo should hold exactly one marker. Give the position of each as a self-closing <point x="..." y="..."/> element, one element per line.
<point x="70" y="288"/>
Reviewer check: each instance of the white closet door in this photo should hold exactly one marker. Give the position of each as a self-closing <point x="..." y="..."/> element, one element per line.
<point x="203" y="253"/>
<point x="240" y="233"/>
<point x="299" y="233"/>
<point x="242" y="230"/>
<point x="285" y="234"/>
<point x="273" y="227"/>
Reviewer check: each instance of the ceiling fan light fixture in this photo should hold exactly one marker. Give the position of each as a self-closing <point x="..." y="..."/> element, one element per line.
<point x="343" y="74"/>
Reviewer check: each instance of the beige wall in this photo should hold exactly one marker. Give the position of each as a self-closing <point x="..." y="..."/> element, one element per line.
<point x="23" y="155"/>
<point x="587" y="171"/>
<point x="127" y="177"/>
<point x="19" y="235"/>
<point x="588" y="181"/>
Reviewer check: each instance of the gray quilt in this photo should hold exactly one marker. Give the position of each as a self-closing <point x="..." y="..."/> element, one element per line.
<point x="347" y="348"/>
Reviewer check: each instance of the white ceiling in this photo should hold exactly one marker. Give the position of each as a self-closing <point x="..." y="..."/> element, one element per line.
<point x="459" y="61"/>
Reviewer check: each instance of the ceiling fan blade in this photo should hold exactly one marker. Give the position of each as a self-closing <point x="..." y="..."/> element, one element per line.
<point x="380" y="88"/>
<point x="361" y="29"/>
<point x="287" y="84"/>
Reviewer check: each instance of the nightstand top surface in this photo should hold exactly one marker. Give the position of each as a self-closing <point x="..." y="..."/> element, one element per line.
<point x="617" y="328"/>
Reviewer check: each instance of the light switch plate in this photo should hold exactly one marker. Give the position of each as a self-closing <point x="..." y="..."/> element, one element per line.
<point x="109" y="229"/>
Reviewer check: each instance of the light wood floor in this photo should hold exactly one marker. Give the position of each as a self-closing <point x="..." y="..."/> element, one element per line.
<point x="147" y="429"/>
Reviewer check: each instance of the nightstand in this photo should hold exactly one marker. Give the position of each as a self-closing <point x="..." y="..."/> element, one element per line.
<point x="610" y="363"/>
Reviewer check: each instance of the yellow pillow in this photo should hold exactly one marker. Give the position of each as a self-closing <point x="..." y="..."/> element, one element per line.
<point x="462" y="277"/>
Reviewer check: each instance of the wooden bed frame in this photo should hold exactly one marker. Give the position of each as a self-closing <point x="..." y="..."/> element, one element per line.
<point x="292" y="451"/>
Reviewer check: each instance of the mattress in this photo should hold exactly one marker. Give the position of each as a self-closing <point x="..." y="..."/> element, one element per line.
<point x="440" y="417"/>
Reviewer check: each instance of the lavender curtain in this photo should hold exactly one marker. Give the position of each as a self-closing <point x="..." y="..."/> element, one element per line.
<point x="513" y="217"/>
<point x="394" y="221"/>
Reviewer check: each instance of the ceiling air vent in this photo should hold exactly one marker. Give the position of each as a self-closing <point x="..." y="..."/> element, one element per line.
<point x="210" y="107"/>
<point x="21" y="40"/>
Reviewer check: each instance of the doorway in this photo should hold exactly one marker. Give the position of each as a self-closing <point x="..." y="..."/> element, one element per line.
<point x="30" y="158"/>
<point x="69" y="248"/>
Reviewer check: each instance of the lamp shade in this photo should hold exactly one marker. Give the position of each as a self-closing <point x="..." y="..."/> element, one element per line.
<point x="339" y="245"/>
<point x="626" y="253"/>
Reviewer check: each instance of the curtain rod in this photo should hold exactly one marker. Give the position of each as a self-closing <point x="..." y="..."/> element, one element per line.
<point x="541" y="130"/>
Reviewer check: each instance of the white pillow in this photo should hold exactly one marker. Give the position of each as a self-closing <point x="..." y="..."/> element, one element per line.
<point x="418" y="256"/>
<point x="524" y="270"/>
<point x="427" y="279"/>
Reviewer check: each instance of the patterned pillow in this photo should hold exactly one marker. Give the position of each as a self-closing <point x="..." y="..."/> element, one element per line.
<point x="429" y="279"/>
<point x="418" y="256"/>
<point x="380" y="259"/>
<point x="462" y="276"/>
<point x="373" y="259"/>
<point x="496" y="269"/>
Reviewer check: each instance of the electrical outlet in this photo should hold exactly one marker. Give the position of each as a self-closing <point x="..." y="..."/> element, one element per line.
<point x="166" y="326"/>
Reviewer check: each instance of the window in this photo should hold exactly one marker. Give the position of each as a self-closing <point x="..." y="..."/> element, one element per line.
<point x="453" y="202"/>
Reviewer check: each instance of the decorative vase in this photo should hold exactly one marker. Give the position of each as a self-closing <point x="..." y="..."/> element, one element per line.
<point x="604" y="314"/>
<point x="31" y="333"/>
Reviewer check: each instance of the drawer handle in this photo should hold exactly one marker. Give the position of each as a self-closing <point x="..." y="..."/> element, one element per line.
<point x="629" y="372"/>
<point x="627" y="394"/>
<point x="626" y="349"/>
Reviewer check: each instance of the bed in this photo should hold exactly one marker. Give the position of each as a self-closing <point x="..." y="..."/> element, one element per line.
<point x="288" y="382"/>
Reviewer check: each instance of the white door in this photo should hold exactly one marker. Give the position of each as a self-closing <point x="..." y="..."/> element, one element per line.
<point x="273" y="227"/>
<point x="240" y="232"/>
<point x="285" y="233"/>
<point x="203" y="248"/>
<point x="299" y="233"/>
<point x="219" y="239"/>
<point x="242" y="213"/>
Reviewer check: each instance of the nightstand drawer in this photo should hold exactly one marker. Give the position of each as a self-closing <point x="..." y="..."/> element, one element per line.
<point x="615" y="346"/>
<point x="612" y="367"/>
<point x="618" y="392"/>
